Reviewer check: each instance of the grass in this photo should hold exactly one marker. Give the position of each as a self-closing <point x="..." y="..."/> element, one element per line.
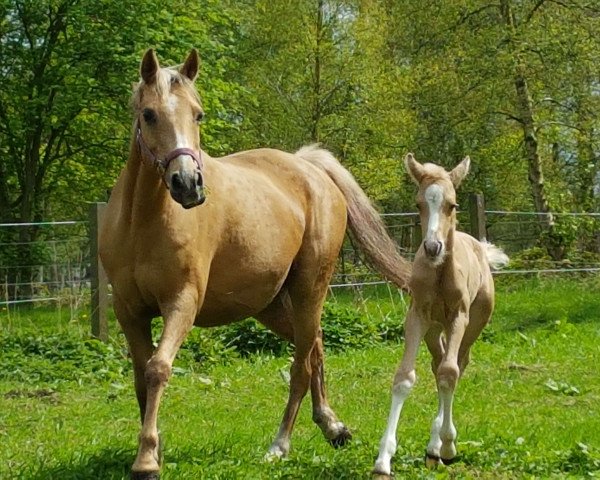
<point x="527" y="407"/>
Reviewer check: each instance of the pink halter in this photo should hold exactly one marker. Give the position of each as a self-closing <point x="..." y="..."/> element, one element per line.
<point x="164" y="163"/>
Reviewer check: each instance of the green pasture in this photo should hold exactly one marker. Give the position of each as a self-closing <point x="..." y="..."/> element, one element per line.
<point x="527" y="407"/>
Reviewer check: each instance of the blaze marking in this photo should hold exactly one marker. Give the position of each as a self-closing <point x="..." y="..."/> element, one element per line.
<point x="434" y="197"/>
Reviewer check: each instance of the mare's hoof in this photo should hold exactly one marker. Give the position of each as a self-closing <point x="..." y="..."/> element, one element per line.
<point x="341" y="438"/>
<point x="276" y="451"/>
<point x="145" y="476"/>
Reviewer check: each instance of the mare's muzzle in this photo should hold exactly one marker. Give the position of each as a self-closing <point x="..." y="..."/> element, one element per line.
<point x="185" y="184"/>
<point x="187" y="188"/>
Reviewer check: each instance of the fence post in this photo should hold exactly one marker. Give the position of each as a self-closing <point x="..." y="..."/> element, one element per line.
<point x="416" y="234"/>
<point x="99" y="280"/>
<point x="477" y="215"/>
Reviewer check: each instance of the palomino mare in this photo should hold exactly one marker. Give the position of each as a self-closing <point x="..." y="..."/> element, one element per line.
<point x="452" y="300"/>
<point x="263" y="244"/>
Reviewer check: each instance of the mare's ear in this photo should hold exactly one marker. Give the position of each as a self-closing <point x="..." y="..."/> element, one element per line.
<point x="149" y="67"/>
<point x="191" y="65"/>
<point x="414" y="168"/>
<point x="460" y="172"/>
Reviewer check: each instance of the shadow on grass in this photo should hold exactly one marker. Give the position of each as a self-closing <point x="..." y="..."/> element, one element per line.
<point x="110" y="463"/>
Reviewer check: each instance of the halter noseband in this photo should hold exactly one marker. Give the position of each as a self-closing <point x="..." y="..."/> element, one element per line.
<point x="163" y="164"/>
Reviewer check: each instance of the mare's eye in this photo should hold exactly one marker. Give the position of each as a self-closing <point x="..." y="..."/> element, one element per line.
<point x="200" y="117"/>
<point x="454" y="206"/>
<point x="149" y="115"/>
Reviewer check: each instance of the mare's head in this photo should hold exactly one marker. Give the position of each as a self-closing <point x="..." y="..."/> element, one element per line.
<point x="167" y="113"/>
<point x="436" y="201"/>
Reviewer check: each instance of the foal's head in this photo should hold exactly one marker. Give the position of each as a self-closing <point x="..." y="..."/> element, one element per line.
<point x="168" y="111"/>
<point x="436" y="201"/>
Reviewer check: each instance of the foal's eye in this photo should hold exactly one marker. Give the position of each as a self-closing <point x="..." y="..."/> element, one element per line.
<point x="149" y="115"/>
<point x="454" y="206"/>
<point x="199" y="117"/>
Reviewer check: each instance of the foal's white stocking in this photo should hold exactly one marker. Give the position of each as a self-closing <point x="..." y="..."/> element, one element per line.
<point x="435" y="441"/>
<point x="443" y="433"/>
<point x="447" y="431"/>
<point x="387" y="445"/>
<point x="403" y="382"/>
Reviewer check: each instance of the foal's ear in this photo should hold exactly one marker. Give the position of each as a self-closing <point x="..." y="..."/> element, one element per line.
<point x="414" y="168"/>
<point x="460" y="172"/>
<point x="191" y="65"/>
<point x="149" y="67"/>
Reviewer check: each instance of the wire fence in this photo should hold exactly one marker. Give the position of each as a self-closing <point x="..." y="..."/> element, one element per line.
<point x="45" y="262"/>
<point x="50" y="261"/>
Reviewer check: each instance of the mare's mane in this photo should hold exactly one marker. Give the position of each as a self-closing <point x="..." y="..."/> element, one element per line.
<point x="165" y="77"/>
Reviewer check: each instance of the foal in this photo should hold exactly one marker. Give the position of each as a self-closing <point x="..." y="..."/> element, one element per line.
<point x="452" y="300"/>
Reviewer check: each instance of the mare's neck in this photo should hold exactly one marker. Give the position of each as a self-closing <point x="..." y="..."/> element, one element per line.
<point x="145" y="193"/>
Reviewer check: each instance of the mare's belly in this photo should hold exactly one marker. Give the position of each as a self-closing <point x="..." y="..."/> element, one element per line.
<point x="240" y="295"/>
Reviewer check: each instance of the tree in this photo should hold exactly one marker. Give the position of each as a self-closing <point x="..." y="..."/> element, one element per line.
<point x="66" y="68"/>
<point x="492" y="80"/>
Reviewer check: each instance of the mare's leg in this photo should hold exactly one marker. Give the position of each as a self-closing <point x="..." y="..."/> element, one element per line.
<point x="307" y="289"/>
<point x="278" y="317"/>
<point x="137" y="330"/>
<point x="333" y="429"/>
<point x="447" y="376"/>
<point x="178" y="318"/>
<point x="414" y="330"/>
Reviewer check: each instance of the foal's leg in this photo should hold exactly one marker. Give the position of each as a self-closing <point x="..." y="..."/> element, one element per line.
<point x="178" y="321"/>
<point x="278" y="317"/>
<point x="307" y="290"/>
<point x="479" y="316"/>
<point x="436" y="346"/>
<point x="414" y="330"/>
<point x="447" y="376"/>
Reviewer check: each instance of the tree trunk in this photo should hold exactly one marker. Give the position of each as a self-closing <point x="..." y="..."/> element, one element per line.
<point x="551" y="240"/>
<point x="316" y="114"/>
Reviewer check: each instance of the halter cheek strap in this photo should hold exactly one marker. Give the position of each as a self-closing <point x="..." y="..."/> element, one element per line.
<point x="163" y="164"/>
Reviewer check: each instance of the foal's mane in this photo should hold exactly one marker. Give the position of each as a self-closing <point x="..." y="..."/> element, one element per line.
<point x="165" y="77"/>
<point x="433" y="173"/>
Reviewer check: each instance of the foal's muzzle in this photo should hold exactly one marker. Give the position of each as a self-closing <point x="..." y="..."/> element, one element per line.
<point x="186" y="188"/>
<point x="433" y="248"/>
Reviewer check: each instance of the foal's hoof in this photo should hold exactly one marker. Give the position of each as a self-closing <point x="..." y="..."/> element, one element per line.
<point x="375" y="475"/>
<point x="341" y="439"/>
<point x="145" y="475"/>
<point x="434" y="461"/>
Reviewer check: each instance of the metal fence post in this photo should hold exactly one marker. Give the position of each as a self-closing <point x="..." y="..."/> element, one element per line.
<point x="477" y="215"/>
<point x="99" y="280"/>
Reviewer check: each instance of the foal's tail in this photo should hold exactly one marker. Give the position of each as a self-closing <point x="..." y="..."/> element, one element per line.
<point x="364" y="221"/>
<point x="495" y="256"/>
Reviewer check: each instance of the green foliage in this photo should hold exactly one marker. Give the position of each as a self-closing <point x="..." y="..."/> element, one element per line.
<point x="249" y="338"/>
<point x="55" y="359"/>
<point x="516" y="409"/>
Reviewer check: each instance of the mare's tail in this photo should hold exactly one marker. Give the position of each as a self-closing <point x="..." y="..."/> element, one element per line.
<point x="364" y="221"/>
<point x="495" y="256"/>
